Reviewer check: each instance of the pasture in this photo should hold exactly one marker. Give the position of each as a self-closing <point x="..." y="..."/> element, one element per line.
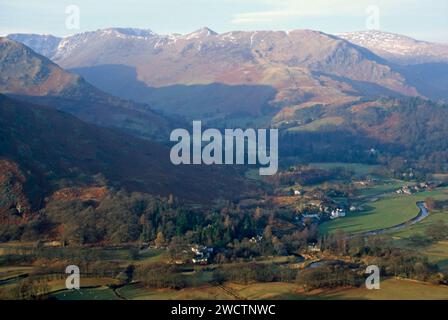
<point x="386" y="212"/>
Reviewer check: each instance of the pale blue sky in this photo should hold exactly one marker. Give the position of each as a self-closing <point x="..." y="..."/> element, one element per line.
<point x="422" y="19"/>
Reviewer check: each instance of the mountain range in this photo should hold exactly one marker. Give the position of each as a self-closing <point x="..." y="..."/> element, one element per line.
<point x="58" y="131"/>
<point x="237" y="76"/>
<point x="103" y="103"/>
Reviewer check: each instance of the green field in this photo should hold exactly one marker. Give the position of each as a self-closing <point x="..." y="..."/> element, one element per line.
<point x="384" y="213"/>
<point x="419" y="228"/>
<point x="102" y="293"/>
<point x="381" y="188"/>
<point x="438" y="253"/>
<point x="148" y="256"/>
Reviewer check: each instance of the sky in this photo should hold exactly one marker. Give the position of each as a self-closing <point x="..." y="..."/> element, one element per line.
<point x="421" y="19"/>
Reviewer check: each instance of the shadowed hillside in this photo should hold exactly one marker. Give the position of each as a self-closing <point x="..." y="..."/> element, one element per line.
<point x="26" y="75"/>
<point x="51" y="150"/>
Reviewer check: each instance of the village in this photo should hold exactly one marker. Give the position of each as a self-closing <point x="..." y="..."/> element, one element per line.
<point x="319" y="205"/>
<point x="420" y="187"/>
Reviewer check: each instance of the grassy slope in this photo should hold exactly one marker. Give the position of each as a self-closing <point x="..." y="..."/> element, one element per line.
<point x="437" y="252"/>
<point x="318" y="124"/>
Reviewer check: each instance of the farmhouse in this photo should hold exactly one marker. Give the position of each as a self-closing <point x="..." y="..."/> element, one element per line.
<point x="337" y="213"/>
<point x="256" y="239"/>
<point x="202" y="254"/>
<point x="408" y="190"/>
<point x="313" y="247"/>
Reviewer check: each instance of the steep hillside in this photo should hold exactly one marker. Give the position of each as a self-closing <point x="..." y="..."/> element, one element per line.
<point x="43" y="150"/>
<point x="30" y="76"/>
<point x="411" y="130"/>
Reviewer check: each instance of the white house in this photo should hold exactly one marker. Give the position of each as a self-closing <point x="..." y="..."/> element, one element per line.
<point x="338" y="213"/>
<point x="202" y="254"/>
<point x="256" y="239"/>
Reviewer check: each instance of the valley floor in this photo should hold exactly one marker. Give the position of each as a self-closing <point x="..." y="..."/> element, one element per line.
<point x="382" y="208"/>
<point x="391" y="289"/>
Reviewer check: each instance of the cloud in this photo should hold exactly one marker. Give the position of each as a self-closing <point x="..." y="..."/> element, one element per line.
<point x="280" y="9"/>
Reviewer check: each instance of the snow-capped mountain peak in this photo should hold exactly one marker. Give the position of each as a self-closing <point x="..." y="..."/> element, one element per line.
<point x="129" y="32"/>
<point x="203" y="32"/>
<point x="398" y="48"/>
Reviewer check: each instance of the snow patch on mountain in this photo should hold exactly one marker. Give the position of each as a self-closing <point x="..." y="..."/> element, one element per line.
<point x="398" y="48"/>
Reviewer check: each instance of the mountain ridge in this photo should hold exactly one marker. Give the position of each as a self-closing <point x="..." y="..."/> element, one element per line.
<point x="399" y="48"/>
<point x="30" y="76"/>
<point x="300" y="65"/>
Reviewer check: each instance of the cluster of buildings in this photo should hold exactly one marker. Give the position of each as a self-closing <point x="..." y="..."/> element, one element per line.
<point x="202" y="254"/>
<point x="256" y="239"/>
<point x="333" y="213"/>
<point x="408" y="190"/>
